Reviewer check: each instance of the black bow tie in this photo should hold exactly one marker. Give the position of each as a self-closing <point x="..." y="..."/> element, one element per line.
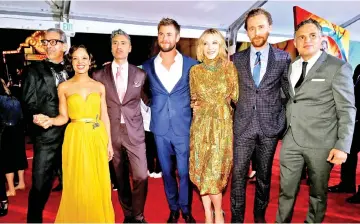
<point x="57" y="67"/>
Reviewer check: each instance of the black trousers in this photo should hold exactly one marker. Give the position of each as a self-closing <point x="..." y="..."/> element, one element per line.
<point x="113" y="174"/>
<point x="151" y="153"/>
<point x="45" y="163"/>
<point x="348" y="169"/>
<point x="3" y="196"/>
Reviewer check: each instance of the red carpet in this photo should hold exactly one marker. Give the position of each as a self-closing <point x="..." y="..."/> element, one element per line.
<point x="157" y="210"/>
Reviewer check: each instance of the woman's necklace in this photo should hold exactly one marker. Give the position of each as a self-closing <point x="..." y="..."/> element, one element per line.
<point x="212" y="68"/>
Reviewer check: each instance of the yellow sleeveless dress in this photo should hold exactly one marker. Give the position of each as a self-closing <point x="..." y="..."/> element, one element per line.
<point x="86" y="195"/>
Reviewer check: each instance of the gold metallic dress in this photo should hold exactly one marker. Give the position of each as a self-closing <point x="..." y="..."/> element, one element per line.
<point x="211" y="136"/>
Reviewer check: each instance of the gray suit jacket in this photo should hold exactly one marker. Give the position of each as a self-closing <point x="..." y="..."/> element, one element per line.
<point x="322" y="111"/>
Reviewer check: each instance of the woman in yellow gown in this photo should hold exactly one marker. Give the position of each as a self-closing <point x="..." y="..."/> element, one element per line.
<point x="213" y="85"/>
<point x="86" y="195"/>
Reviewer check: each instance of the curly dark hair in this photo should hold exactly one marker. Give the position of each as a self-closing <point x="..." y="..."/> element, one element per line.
<point x="68" y="58"/>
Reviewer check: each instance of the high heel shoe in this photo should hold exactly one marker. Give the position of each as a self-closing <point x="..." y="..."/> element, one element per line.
<point x="4" y="207"/>
<point x="10" y="193"/>
<point x="18" y="187"/>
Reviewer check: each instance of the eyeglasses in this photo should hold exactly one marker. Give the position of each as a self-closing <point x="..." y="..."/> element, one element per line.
<point x="52" y="42"/>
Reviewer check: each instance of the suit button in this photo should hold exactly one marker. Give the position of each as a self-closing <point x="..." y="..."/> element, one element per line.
<point x="257" y="91"/>
<point x="254" y="107"/>
<point x="294" y="101"/>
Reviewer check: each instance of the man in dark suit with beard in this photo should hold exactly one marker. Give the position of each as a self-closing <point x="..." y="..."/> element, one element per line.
<point x="40" y="97"/>
<point x="260" y="115"/>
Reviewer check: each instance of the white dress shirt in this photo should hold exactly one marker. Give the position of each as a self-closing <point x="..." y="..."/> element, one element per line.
<point x="125" y="74"/>
<point x="146" y="115"/>
<point x="169" y="78"/>
<point x="296" y="68"/>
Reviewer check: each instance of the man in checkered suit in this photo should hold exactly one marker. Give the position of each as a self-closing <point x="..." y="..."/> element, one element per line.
<point x="260" y="115"/>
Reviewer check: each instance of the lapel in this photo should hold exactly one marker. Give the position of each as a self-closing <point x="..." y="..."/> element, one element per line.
<point x="291" y="89"/>
<point x="270" y="63"/>
<point x="248" y="66"/>
<point x="49" y="79"/>
<point x="315" y="67"/>
<point x="131" y="82"/>
<point x="156" y="77"/>
<point x="183" y="75"/>
<point x="111" y="83"/>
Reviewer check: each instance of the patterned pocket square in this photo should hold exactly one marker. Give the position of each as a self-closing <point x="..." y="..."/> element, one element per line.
<point x="137" y="83"/>
<point x="318" y="80"/>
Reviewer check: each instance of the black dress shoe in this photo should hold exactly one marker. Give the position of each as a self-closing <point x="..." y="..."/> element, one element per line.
<point x="139" y="221"/>
<point x="259" y="220"/>
<point x="188" y="218"/>
<point x="128" y="219"/>
<point x="4" y="207"/>
<point x="355" y="199"/>
<point x="340" y="188"/>
<point x="57" y="188"/>
<point x="259" y="216"/>
<point x="173" y="217"/>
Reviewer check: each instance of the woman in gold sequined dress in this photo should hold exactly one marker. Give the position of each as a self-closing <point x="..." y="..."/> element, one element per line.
<point x="213" y="85"/>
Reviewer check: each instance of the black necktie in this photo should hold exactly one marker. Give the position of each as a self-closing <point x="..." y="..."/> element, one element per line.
<point x="303" y="73"/>
<point x="357" y="80"/>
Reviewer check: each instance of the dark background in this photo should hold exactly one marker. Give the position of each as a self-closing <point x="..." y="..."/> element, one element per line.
<point x="97" y="44"/>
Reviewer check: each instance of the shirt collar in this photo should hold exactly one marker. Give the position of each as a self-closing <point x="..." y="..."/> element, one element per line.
<point x="263" y="51"/>
<point x="313" y="59"/>
<point x="116" y="65"/>
<point x="177" y="58"/>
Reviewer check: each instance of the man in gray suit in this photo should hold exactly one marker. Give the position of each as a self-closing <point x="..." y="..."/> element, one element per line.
<point x="320" y="122"/>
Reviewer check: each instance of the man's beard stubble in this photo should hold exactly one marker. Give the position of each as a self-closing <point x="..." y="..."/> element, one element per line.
<point x="170" y="48"/>
<point x="264" y="39"/>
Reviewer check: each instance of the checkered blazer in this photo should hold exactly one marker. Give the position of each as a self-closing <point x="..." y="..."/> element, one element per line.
<point x="264" y="102"/>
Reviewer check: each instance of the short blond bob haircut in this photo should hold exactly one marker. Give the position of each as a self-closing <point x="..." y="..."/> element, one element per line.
<point x="200" y="46"/>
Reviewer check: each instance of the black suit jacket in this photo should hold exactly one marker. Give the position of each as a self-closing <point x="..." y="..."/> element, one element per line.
<point x="40" y="96"/>
<point x="357" y="92"/>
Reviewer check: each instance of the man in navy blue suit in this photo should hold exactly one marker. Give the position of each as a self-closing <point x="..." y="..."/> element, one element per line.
<point x="168" y="76"/>
<point x="260" y="115"/>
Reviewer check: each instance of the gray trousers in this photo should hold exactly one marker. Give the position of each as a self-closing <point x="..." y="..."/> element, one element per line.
<point x="292" y="159"/>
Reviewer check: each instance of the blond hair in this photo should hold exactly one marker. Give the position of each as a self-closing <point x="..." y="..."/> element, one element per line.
<point x="200" y="45"/>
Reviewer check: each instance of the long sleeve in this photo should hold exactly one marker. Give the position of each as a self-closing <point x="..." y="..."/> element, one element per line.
<point x="29" y="93"/>
<point x="285" y="80"/>
<point x="343" y="91"/>
<point x="234" y="80"/>
<point x="192" y="82"/>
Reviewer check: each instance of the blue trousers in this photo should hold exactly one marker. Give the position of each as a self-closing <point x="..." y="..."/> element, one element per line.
<point x="167" y="146"/>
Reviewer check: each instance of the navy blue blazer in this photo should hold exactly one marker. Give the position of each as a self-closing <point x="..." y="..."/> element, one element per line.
<point x="170" y="109"/>
<point x="264" y="102"/>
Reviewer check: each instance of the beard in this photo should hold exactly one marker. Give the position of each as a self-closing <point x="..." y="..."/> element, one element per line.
<point x="167" y="49"/>
<point x="260" y="41"/>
